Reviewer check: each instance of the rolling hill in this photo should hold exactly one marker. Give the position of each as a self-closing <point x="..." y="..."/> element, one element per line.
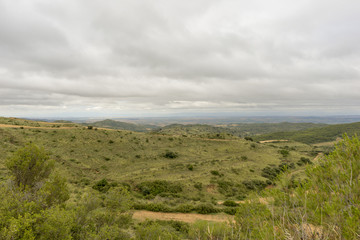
<point x="112" y="124"/>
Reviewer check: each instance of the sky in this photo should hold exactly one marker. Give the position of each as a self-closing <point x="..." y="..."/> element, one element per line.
<point x="87" y="58"/>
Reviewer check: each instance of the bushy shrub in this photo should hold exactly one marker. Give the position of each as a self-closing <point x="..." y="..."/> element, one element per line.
<point x="215" y="173"/>
<point x="103" y="185"/>
<point x="205" y="208"/>
<point x="284" y="152"/>
<point x="154" y="207"/>
<point x="198" y="186"/>
<point x="170" y="154"/>
<point x="230" y="210"/>
<point x="184" y="208"/>
<point x="155" y="230"/>
<point x="303" y="161"/>
<point x="270" y="172"/>
<point x="230" y="203"/>
<point x="255" y="184"/>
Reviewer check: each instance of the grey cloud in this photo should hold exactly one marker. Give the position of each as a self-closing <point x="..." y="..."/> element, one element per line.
<point x="133" y="55"/>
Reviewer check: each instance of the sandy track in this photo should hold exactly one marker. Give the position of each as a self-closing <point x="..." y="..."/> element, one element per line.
<point x="21" y="126"/>
<point x="142" y="215"/>
<point x="270" y="141"/>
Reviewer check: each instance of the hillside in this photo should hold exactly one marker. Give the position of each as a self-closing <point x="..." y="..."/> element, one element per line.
<point x="315" y="135"/>
<point x="86" y="156"/>
<point x="235" y="129"/>
<point x="108" y="123"/>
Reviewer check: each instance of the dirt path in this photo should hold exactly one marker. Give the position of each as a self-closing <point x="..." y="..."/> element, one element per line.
<point x="23" y="126"/>
<point x="274" y="140"/>
<point x="142" y="215"/>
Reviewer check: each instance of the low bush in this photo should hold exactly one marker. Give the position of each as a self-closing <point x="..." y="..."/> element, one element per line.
<point x="215" y="173"/>
<point x="230" y="203"/>
<point x="154" y="207"/>
<point x="230" y="210"/>
<point x="198" y="186"/>
<point x="170" y="154"/>
<point x="255" y="185"/>
<point x="205" y="208"/>
<point x="284" y="152"/>
<point x="303" y="161"/>
<point x="184" y="208"/>
<point x="102" y="186"/>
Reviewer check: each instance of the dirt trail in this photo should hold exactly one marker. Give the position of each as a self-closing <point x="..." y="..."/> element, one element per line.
<point x="142" y="215"/>
<point x="23" y="126"/>
<point x="274" y="140"/>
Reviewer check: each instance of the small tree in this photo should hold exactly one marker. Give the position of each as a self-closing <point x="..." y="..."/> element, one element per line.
<point x="29" y="165"/>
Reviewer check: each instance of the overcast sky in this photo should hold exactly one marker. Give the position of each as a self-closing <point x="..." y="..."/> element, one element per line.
<point x="162" y="57"/>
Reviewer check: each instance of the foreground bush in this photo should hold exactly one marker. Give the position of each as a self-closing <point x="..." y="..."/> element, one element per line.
<point x="324" y="206"/>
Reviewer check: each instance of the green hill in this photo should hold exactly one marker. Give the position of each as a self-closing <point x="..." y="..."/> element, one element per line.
<point x="86" y="156"/>
<point x="315" y="135"/>
<point x="108" y="123"/>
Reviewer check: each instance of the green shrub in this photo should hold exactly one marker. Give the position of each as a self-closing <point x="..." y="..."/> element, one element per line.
<point x="190" y="167"/>
<point x="255" y="184"/>
<point x="205" y="208"/>
<point x="184" y="208"/>
<point x="170" y="154"/>
<point x="284" y="152"/>
<point x="102" y="186"/>
<point x="154" y="207"/>
<point x="230" y="210"/>
<point x="154" y="230"/>
<point x="270" y="172"/>
<point x="230" y="203"/>
<point x="304" y="161"/>
<point x="215" y="173"/>
<point x="198" y="186"/>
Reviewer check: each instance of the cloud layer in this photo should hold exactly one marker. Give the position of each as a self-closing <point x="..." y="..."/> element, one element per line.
<point x="65" y="57"/>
